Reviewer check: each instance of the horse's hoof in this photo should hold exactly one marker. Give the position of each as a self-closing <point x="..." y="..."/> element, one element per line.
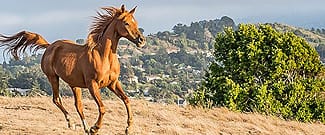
<point x="72" y="126"/>
<point x="93" y="130"/>
<point x="128" y="131"/>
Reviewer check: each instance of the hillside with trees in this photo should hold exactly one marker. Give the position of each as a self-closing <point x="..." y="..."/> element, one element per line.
<point x="169" y="67"/>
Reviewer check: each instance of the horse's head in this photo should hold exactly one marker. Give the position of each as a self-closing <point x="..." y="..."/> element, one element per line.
<point x="127" y="27"/>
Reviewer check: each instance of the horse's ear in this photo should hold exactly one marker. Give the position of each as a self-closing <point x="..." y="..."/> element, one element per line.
<point x="133" y="10"/>
<point x="123" y="8"/>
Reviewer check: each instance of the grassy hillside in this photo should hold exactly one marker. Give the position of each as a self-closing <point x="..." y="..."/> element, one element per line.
<point x="39" y="116"/>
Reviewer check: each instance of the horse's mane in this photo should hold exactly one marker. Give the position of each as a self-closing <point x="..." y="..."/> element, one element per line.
<point x="100" y="24"/>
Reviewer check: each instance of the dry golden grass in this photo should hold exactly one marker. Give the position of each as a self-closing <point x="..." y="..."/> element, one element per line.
<point x="25" y="116"/>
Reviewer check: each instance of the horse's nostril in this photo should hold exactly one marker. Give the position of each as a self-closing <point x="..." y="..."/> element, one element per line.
<point x="140" y="39"/>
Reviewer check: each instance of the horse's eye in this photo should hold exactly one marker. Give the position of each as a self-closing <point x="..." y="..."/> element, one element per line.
<point x="127" y="24"/>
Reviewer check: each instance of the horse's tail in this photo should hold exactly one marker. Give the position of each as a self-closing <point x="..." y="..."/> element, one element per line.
<point x="18" y="43"/>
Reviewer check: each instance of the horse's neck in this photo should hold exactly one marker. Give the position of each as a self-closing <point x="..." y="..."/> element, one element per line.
<point x="107" y="45"/>
<point x="103" y="56"/>
<point x="107" y="50"/>
<point x="110" y="40"/>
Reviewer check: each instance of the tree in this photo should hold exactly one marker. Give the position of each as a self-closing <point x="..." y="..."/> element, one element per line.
<point x="259" y="69"/>
<point x="35" y="90"/>
<point x="179" y="28"/>
<point x="141" y="30"/>
<point x="3" y="83"/>
<point x="80" y="41"/>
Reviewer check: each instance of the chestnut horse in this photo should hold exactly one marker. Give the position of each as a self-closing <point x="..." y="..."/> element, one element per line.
<point x="94" y="65"/>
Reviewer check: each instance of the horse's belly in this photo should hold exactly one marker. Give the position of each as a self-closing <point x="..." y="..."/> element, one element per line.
<point x="74" y="82"/>
<point x="73" y="77"/>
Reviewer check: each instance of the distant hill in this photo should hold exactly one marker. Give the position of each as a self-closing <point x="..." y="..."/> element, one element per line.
<point x="169" y="67"/>
<point x="172" y="63"/>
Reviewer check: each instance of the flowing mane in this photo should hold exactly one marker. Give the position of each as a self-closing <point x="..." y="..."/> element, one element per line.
<point x="100" y="24"/>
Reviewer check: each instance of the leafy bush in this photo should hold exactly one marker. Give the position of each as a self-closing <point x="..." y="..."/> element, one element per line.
<point x="259" y="69"/>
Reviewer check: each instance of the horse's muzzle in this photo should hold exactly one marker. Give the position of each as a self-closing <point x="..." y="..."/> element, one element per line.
<point x="140" y="41"/>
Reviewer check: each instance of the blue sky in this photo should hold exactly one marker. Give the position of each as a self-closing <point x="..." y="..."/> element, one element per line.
<point x="70" y="19"/>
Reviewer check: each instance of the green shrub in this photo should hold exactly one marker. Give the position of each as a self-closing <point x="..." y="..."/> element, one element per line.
<point x="259" y="69"/>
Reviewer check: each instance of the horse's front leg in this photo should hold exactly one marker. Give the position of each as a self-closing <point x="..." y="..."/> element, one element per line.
<point x="95" y="92"/>
<point x="117" y="89"/>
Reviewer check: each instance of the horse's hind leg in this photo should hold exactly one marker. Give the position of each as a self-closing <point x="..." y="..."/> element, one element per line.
<point x="117" y="89"/>
<point x="77" y="97"/>
<point x="54" y="80"/>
